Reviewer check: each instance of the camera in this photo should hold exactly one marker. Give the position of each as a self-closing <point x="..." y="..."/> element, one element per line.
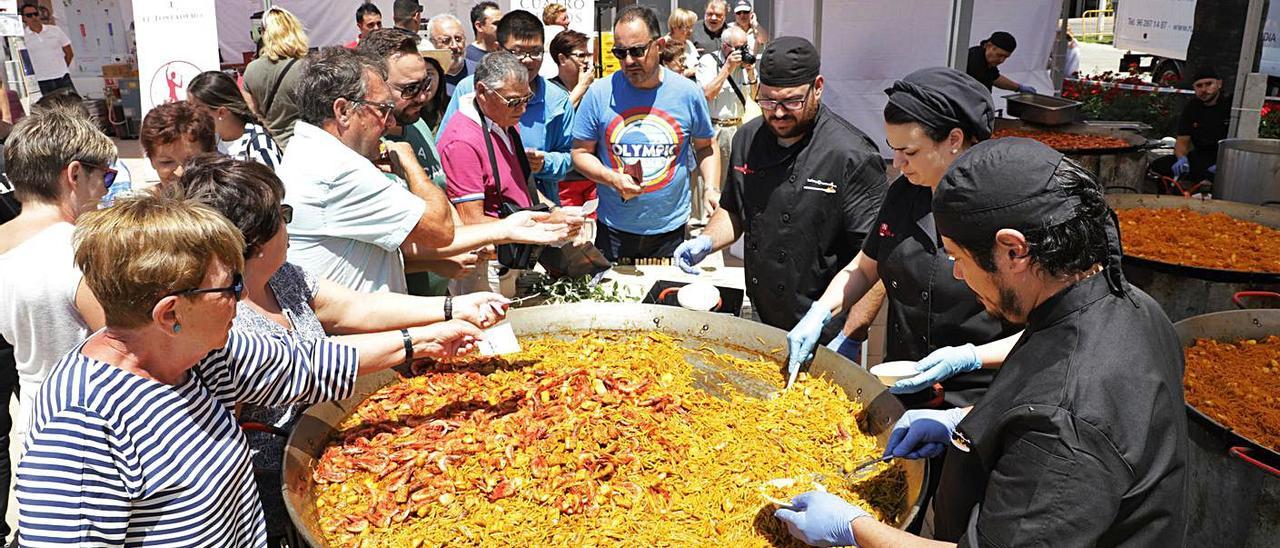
<point x="748" y="58"/>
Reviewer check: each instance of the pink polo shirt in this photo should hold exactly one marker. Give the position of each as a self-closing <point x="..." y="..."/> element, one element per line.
<point x="468" y="175"/>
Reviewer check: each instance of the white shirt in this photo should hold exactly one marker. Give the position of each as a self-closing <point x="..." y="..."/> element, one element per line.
<point x="45" y="49"/>
<point x="726" y="105"/>
<point x="349" y="218"/>
<point x="38" y="282"/>
<point x="549" y="67"/>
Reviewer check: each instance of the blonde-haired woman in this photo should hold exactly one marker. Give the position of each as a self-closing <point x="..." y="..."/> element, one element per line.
<point x="269" y="79"/>
<point x="681" y="23"/>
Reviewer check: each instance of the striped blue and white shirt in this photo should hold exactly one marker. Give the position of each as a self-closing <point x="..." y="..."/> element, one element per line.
<point x="115" y="459"/>
<point x="255" y="145"/>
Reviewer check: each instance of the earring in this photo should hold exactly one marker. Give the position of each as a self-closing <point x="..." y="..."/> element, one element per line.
<point x="955" y="151"/>
<point x="177" y="328"/>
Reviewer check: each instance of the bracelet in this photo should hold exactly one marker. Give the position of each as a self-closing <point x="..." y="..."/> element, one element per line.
<point x="448" y="307"/>
<point x="408" y="346"/>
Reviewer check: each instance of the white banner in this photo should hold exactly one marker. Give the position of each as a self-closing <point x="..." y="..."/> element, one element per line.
<point x="1157" y="27"/>
<point x="177" y="40"/>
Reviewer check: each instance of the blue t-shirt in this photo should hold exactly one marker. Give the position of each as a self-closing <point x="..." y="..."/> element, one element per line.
<point x="655" y="127"/>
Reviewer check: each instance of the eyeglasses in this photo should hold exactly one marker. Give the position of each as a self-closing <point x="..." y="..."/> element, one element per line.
<point x="769" y="105"/>
<point x="286" y="213"/>
<point x="635" y="52"/>
<point x="108" y="174"/>
<point x="443" y="41"/>
<point x="236" y="288"/>
<point x="530" y="55"/>
<point x="512" y="102"/>
<point x="412" y="89"/>
<point x="383" y="109"/>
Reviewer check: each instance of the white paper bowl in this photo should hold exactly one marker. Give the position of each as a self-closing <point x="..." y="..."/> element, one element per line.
<point x="700" y="296"/>
<point x="892" y="372"/>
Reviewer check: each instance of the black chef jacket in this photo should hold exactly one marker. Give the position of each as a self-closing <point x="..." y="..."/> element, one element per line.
<point x="928" y="307"/>
<point x="805" y="210"/>
<point x="1206" y="125"/>
<point x="978" y="68"/>
<point x="1082" y="438"/>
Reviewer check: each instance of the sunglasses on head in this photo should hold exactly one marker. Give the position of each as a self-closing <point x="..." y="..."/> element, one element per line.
<point x="286" y="213"/>
<point x="635" y="52"/>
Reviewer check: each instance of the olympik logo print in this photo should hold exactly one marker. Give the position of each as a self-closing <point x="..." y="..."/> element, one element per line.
<point x="649" y="137"/>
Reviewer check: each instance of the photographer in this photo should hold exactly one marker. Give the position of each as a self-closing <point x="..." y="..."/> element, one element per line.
<point x="487" y="173"/>
<point x="727" y="77"/>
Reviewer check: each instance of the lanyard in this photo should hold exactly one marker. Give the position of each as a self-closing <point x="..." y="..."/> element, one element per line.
<point x="516" y="144"/>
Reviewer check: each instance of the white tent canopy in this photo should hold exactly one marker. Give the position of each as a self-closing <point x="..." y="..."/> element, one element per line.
<point x="865" y="46"/>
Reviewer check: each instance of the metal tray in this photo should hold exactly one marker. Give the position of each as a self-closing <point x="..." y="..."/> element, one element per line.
<point x="1042" y="109"/>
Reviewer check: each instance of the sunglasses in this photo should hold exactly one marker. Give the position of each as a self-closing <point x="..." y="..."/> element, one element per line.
<point x="236" y="288"/>
<point x="383" y="109"/>
<point x="412" y="89"/>
<point x="286" y="213"/>
<point x="635" y="52"/>
<point x="512" y="102"/>
<point x="31" y="14"/>
<point x="108" y="174"/>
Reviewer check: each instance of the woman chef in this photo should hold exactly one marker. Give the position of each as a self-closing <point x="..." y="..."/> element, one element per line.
<point x="932" y="117"/>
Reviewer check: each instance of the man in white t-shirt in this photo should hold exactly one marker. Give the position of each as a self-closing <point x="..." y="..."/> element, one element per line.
<point x="351" y="220"/>
<point x="50" y="51"/>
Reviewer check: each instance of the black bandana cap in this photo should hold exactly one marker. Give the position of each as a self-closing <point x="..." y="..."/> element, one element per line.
<point x="1001" y="183"/>
<point x="789" y="61"/>
<point x="1003" y="40"/>
<point x="942" y="97"/>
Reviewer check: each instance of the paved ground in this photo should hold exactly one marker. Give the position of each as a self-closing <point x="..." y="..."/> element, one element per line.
<point x="1099" y="58"/>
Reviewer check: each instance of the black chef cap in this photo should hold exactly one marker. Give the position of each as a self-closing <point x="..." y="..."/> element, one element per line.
<point x="789" y="61"/>
<point x="942" y="97"/>
<point x="1205" y="72"/>
<point x="1003" y="40"/>
<point x="1001" y="183"/>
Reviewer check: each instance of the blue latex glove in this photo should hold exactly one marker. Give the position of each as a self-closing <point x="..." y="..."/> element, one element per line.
<point x="692" y="252"/>
<point x="938" y="366"/>
<point x="818" y="518"/>
<point x="1213" y="169"/>
<point x="803" y="338"/>
<point x="923" y="433"/>
<point x="1023" y="88"/>
<point x="1181" y="167"/>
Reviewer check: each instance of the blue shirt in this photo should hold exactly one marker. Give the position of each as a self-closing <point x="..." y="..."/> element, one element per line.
<point x="545" y="125"/>
<point x="655" y="127"/>
<point x="115" y="459"/>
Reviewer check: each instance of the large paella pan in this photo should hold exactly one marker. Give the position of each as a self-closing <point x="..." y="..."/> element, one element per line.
<point x="714" y="349"/>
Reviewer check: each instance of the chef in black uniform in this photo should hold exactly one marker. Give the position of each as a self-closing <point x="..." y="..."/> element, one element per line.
<point x="933" y="116"/>
<point x="805" y="192"/>
<point x="1204" y="122"/>
<point x="1081" y="439"/>
<point x="986" y="58"/>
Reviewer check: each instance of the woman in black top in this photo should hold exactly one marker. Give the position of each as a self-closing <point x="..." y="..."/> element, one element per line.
<point x="932" y="117"/>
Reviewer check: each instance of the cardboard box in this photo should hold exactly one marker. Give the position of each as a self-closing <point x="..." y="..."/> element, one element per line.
<point x="119" y="70"/>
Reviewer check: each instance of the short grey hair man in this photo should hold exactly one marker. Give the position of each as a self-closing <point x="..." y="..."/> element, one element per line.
<point x="331" y="74"/>
<point x="500" y="69"/>
<point x="447" y="32"/>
